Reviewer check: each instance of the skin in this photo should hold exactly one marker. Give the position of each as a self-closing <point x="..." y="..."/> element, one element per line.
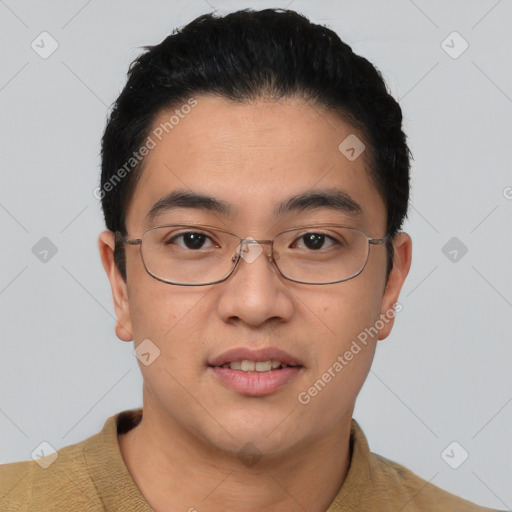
<point x="184" y="452"/>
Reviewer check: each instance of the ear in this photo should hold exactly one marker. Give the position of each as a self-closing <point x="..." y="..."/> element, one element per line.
<point x="401" y="264"/>
<point x="106" y="245"/>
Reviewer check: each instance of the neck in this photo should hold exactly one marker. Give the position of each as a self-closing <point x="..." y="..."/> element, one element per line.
<point x="169" y="464"/>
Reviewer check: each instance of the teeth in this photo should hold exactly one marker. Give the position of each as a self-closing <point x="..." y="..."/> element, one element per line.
<point x="248" y="366"/>
<point x="263" y="366"/>
<point x="258" y="366"/>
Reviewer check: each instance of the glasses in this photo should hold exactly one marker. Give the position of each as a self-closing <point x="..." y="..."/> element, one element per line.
<point x="198" y="255"/>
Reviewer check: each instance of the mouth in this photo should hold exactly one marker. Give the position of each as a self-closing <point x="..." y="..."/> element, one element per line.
<point x="246" y="365"/>
<point x="255" y="372"/>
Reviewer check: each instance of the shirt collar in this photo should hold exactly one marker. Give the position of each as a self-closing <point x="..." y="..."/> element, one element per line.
<point x="107" y="468"/>
<point x="359" y="481"/>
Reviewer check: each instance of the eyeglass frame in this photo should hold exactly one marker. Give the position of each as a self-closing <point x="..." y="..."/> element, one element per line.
<point x="138" y="241"/>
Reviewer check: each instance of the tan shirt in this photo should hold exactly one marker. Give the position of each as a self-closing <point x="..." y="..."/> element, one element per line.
<point x="91" y="476"/>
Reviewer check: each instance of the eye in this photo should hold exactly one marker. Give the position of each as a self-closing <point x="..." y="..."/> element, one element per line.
<point x="190" y="240"/>
<point x="315" y="241"/>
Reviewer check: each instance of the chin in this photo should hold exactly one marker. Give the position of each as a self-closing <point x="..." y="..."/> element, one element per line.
<point x="271" y="432"/>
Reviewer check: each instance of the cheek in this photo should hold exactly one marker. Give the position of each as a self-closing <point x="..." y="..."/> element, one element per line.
<point x="349" y="308"/>
<point x="342" y="334"/>
<point x="343" y="353"/>
<point x="166" y="314"/>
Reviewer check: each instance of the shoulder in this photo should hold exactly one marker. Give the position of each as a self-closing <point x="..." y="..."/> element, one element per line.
<point x="374" y="482"/>
<point x="57" y="482"/>
<point x="414" y="493"/>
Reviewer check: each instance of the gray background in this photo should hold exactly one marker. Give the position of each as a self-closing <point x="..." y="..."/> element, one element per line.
<point x="443" y="375"/>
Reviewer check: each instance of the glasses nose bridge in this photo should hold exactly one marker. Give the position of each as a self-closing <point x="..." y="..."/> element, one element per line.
<point x="253" y="240"/>
<point x="248" y="241"/>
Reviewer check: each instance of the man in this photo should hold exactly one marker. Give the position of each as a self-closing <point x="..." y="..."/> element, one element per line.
<point x="255" y="178"/>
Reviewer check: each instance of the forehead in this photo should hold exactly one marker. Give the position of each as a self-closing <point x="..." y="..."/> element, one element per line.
<point x="252" y="157"/>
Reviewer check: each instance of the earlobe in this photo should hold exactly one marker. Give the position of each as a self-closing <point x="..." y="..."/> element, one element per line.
<point x="401" y="264"/>
<point x="106" y="245"/>
<point x="123" y="333"/>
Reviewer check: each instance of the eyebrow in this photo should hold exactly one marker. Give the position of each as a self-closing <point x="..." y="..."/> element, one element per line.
<point x="185" y="199"/>
<point x="332" y="199"/>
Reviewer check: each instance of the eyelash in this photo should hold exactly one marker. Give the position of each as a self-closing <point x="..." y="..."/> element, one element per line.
<point x="175" y="236"/>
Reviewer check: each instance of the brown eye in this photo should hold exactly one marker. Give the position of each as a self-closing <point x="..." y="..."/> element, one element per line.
<point x="313" y="240"/>
<point x="190" y="240"/>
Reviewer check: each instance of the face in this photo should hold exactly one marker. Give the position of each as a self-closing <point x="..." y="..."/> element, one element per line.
<point x="253" y="157"/>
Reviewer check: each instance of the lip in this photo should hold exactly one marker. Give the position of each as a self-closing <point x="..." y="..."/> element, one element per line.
<point x="263" y="354"/>
<point x="255" y="383"/>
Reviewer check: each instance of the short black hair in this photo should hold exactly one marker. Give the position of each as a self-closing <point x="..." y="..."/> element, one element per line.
<point x="243" y="56"/>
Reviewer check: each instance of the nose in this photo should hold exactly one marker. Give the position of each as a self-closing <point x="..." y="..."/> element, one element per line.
<point x="256" y="292"/>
